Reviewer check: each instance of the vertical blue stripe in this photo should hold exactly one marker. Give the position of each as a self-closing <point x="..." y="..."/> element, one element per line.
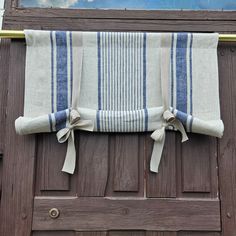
<point x="144" y="70"/>
<point x="52" y="72"/>
<point x="103" y="46"/>
<point x="122" y="82"/>
<point x="126" y="72"/>
<point x="109" y="70"/>
<point x="135" y="71"/>
<point x="182" y="117"/>
<point x="191" y="75"/>
<point x="146" y="119"/>
<point x="119" y="81"/>
<point x="60" y="118"/>
<point x="181" y="72"/>
<point x="132" y="72"/>
<point x="99" y="69"/>
<point x="99" y="79"/>
<point x="117" y="72"/>
<point x="62" y="83"/>
<point x="108" y="80"/>
<point x="98" y="120"/>
<point x="144" y="82"/>
<point x="50" y="122"/>
<point x="105" y="72"/>
<point x="123" y="71"/>
<point x="140" y="76"/>
<point x="71" y="68"/>
<point x="172" y="69"/>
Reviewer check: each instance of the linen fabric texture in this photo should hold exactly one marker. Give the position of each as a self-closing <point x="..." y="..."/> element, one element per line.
<point x="121" y="82"/>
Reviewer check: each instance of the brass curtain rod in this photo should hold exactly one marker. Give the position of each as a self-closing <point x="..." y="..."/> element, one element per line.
<point x="17" y="34"/>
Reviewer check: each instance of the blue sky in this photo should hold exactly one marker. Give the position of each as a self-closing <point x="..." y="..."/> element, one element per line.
<point x="135" y="4"/>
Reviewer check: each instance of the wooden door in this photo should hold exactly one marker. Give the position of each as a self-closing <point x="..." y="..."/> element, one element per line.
<point x="112" y="192"/>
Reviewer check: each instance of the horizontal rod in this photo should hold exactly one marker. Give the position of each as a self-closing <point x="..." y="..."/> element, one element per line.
<point x="17" y="34"/>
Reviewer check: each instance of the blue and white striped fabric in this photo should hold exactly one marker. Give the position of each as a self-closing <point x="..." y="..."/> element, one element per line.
<point x="120" y="87"/>
<point x="122" y="92"/>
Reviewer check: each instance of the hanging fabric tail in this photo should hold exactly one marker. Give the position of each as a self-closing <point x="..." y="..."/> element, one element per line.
<point x="168" y="118"/>
<point x="67" y="134"/>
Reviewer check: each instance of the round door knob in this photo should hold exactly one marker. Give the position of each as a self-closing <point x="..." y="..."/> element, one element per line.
<point x="54" y="213"/>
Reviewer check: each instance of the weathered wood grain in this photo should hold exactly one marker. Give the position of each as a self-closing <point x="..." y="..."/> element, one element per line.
<point x="164" y="183"/>
<point x="4" y="70"/>
<point x="0" y="180"/>
<point x="126" y="164"/>
<point x="127" y="233"/>
<point x="196" y="162"/>
<point x="139" y="150"/>
<point x="227" y="147"/>
<point x="18" y="164"/>
<point x="53" y="233"/>
<point x="155" y="233"/>
<point x="199" y="234"/>
<point x="91" y="233"/>
<point x="121" y="14"/>
<point x="106" y="214"/>
<point x="18" y="186"/>
<point x="50" y="159"/>
<point x="191" y="173"/>
<point x="63" y="23"/>
<point x="93" y="164"/>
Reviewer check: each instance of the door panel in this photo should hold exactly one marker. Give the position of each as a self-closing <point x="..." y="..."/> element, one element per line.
<point x="112" y="188"/>
<point x="112" y="191"/>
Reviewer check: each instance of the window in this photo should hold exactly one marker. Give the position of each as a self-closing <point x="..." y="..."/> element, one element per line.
<point x="134" y="4"/>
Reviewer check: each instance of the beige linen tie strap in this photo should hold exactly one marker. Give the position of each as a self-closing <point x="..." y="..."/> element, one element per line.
<point x="68" y="134"/>
<point x="75" y="122"/>
<point x="159" y="137"/>
<point x="168" y="118"/>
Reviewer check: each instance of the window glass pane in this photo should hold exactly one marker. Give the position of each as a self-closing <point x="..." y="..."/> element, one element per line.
<point x="135" y="4"/>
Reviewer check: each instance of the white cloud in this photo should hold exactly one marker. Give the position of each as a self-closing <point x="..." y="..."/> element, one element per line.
<point x="57" y="3"/>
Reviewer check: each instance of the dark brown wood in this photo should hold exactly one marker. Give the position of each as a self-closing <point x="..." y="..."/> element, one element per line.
<point x="154" y="233"/>
<point x="93" y="233"/>
<point x="18" y="164"/>
<point x="194" y="168"/>
<point x="196" y="155"/>
<point x="115" y="140"/>
<point x="46" y="23"/>
<point x="50" y="159"/>
<point x="121" y="14"/>
<point x="122" y="205"/>
<point x="227" y="147"/>
<point x="104" y="214"/>
<point x="53" y="233"/>
<point x="126" y="165"/>
<point x="93" y="164"/>
<point x="4" y="69"/>
<point x="164" y="183"/>
<point x="127" y="233"/>
<point x="0" y="180"/>
<point x="198" y="234"/>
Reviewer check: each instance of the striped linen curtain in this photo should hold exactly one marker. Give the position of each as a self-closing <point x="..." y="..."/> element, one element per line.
<point x="120" y="82"/>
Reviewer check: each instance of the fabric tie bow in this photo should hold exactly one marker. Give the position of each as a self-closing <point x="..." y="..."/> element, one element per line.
<point x="67" y="133"/>
<point x="159" y="138"/>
